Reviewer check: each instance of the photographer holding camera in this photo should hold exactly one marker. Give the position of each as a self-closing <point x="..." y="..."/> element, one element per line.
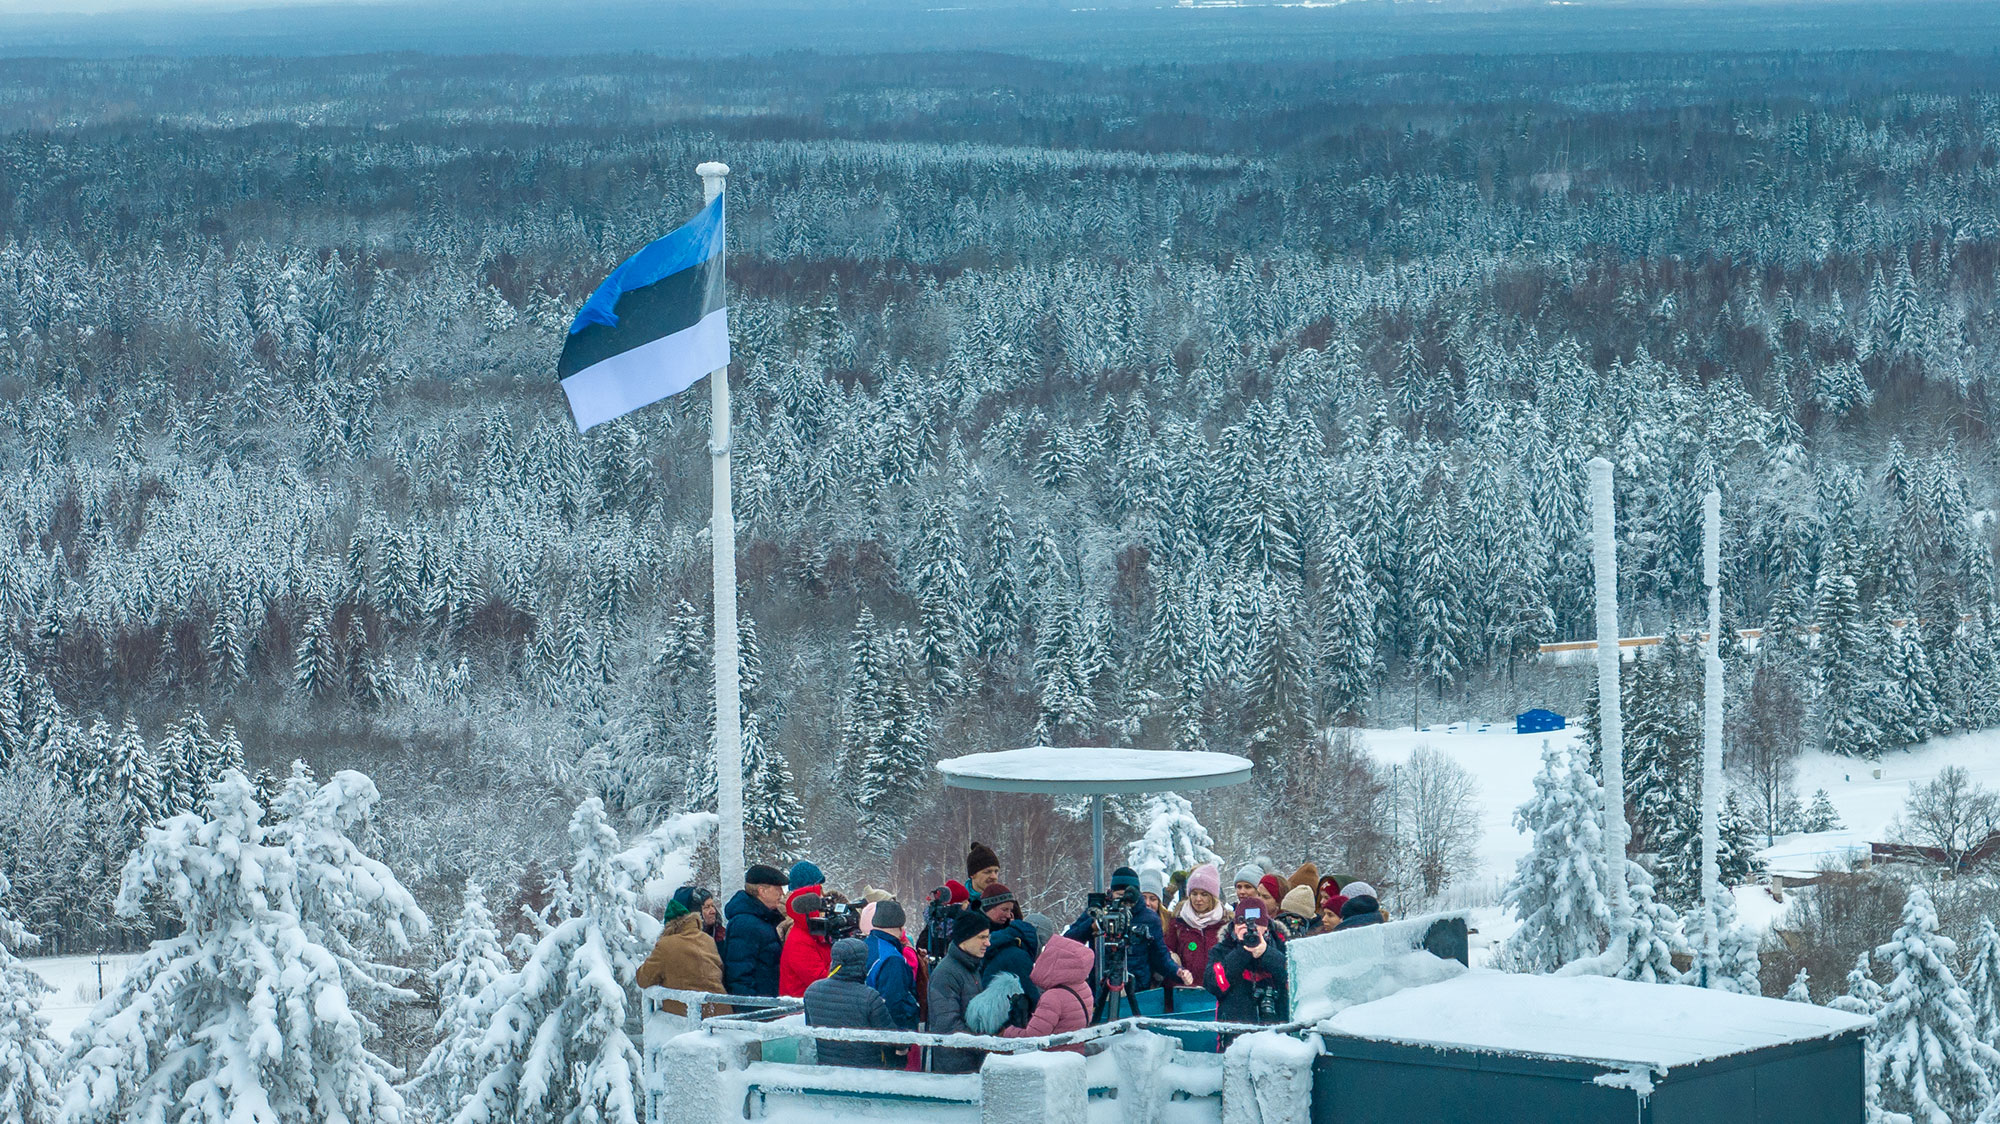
<point x="1246" y="971"/>
<point x="1134" y="952"/>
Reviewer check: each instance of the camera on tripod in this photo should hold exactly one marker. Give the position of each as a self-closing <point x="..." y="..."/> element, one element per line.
<point x="1112" y="920"/>
<point x="938" y="916"/>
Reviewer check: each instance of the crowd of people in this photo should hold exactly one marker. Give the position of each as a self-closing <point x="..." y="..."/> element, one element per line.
<point x="982" y="964"/>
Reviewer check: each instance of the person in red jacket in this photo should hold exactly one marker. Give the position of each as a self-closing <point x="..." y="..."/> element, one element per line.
<point x="807" y="956"/>
<point x="1198" y="923"/>
<point x="1062" y="972"/>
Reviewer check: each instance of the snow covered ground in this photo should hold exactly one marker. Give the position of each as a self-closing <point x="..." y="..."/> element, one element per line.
<point x="75" y="981"/>
<point x="1504" y="765"/>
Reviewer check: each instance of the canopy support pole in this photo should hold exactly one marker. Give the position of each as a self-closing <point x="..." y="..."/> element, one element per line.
<point x="1097" y="842"/>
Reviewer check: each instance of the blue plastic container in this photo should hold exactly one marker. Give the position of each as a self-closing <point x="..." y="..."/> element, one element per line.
<point x="1190" y="1003"/>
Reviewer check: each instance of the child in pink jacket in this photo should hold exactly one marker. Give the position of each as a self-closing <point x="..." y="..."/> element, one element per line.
<point x="1063" y="973"/>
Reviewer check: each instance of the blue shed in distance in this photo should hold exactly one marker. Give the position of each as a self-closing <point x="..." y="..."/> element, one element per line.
<point x="1538" y="721"/>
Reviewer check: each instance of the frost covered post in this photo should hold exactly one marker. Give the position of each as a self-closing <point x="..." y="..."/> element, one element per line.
<point x="1610" y="723"/>
<point x="722" y="537"/>
<point x="1711" y="721"/>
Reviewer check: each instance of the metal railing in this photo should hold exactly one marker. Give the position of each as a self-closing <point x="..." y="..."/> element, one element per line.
<point x="762" y="1024"/>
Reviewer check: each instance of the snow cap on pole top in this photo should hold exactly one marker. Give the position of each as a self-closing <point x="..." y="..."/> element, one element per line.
<point x="713" y="169"/>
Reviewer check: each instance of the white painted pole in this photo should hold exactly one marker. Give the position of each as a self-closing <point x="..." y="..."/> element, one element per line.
<point x="1610" y="721"/>
<point x="722" y="536"/>
<point x="1711" y="716"/>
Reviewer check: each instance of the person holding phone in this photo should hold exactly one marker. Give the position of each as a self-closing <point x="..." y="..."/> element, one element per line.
<point x="1246" y="972"/>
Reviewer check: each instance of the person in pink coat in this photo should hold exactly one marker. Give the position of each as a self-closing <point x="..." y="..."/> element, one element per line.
<point x="1062" y="971"/>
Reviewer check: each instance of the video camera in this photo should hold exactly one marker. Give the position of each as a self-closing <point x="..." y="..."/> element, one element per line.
<point x="1112" y="919"/>
<point x="837" y="919"/>
<point x="938" y="916"/>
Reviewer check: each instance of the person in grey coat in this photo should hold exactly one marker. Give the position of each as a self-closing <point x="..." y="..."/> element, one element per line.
<point x="842" y="999"/>
<point x="954" y="983"/>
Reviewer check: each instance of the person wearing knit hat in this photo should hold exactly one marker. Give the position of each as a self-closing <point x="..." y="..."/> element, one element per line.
<point x="1246" y="971"/>
<point x="1014" y="944"/>
<point x="1274" y="890"/>
<point x="1149" y="962"/>
<point x="1153" y="888"/>
<point x="1362" y="908"/>
<point x="1246" y="879"/>
<point x="955" y="983"/>
<point x="803" y="874"/>
<point x="1306" y="875"/>
<point x="684" y="957"/>
<point x="982" y="866"/>
<point x="806" y="954"/>
<point x="894" y="968"/>
<point x="1198" y="923"/>
<point x="1297" y="911"/>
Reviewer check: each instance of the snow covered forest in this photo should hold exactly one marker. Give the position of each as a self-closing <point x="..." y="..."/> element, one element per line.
<point x="1214" y="405"/>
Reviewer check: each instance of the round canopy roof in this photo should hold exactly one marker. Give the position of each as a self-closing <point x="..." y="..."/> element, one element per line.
<point x="1095" y="771"/>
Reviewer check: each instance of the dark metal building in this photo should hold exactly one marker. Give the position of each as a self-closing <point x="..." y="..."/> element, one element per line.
<point x="1495" y="1048"/>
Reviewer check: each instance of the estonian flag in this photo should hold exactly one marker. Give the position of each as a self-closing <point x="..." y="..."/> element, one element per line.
<point x="655" y="327"/>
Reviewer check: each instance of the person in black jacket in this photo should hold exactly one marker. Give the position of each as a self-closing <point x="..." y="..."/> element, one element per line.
<point x="1362" y="908"/>
<point x="1013" y="948"/>
<point x="756" y="934"/>
<point x="842" y="999"/>
<point x="1246" y="972"/>
<point x="1147" y="957"/>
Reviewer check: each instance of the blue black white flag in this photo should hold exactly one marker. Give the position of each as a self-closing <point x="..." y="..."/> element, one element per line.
<point x="655" y="327"/>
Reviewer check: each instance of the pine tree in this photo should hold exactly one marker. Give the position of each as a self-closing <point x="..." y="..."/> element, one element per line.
<point x="1863" y="995"/>
<point x="556" y="1046"/>
<point x="1934" y="1067"/>
<point x="28" y="1056"/>
<point x="1174" y="839"/>
<point x="1655" y="933"/>
<point x="998" y="632"/>
<point x="895" y="769"/>
<point x="1061" y="672"/>
<point x="1821" y="816"/>
<point x="1799" y="992"/>
<point x="1982" y="983"/>
<point x="1277" y="693"/>
<point x="773" y="817"/>
<point x="244" y="1015"/>
<point x="943" y="595"/>
<point x="316" y="667"/>
<point x="1347" y="641"/>
<point x="1559" y="891"/>
<point x="1436" y="596"/>
<point x="1841" y="662"/>
<point x="132" y="778"/>
<point x="473" y="962"/>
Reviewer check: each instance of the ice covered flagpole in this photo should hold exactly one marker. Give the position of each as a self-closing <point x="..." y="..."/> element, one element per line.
<point x="1610" y="722"/>
<point x="722" y="538"/>
<point x="1711" y="718"/>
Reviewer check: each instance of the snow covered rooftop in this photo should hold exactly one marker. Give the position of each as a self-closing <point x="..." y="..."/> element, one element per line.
<point x="1587" y="1018"/>
<point x="1089" y="769"/>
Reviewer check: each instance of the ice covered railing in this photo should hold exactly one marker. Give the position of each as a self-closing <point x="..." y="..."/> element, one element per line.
<point x="1334" y="971"/>
<point x="724" y="1067"/>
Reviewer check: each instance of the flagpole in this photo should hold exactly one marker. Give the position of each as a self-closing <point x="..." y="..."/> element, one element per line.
<point x="722" y="537"/>
<point x="1711" y="718"/>
<point x="1610" y="720"/>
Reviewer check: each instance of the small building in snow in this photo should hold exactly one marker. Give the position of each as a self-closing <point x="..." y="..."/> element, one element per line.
<point x="1538" y="721"/>
<point x="1489" y="1047"/>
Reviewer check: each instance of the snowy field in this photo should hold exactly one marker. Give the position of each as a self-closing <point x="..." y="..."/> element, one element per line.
<point x="1504" y="763"/>
<point x="74" y="979"/>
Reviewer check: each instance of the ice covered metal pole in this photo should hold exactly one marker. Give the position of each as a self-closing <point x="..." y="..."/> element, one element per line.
<point x="722" y="537"/>
<point x="1711" y="714"/>
<point x="1610" y="722"/>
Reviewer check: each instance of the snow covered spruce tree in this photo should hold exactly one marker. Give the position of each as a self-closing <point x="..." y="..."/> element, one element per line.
<point x="1559" y="891"/>
<point x="245" y="1017"/>
<point x="1934" y="1067"/>
<point x="475" y="961"/>
<point x="1174" y="838"/>
<point x="555" y="1046"/>
<point x="28" y="1056"/>
<point x="1982" y="983"/>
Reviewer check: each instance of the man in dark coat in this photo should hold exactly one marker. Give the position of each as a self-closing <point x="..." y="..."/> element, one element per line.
<point x="1147" y="954"/>
<point x="955" y="982"/>
<point x="1246" y="971"/>
<point x="1361" y="908"/>
<point x="843" y="1000"/>
<point x="756" y="934"/>
<point x="1013" y="947"/>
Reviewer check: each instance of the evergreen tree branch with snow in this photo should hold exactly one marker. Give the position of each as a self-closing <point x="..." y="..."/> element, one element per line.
<point x="28" y="1056"/>
<point x="246" y="1017"/>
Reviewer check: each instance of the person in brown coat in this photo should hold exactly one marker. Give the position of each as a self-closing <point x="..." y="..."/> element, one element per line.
<point x="685" y="957"/>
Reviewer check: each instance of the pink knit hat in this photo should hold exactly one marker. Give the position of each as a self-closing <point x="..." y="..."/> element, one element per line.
<point x="1205" y="877"/>
<point x="867" y="919"/>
